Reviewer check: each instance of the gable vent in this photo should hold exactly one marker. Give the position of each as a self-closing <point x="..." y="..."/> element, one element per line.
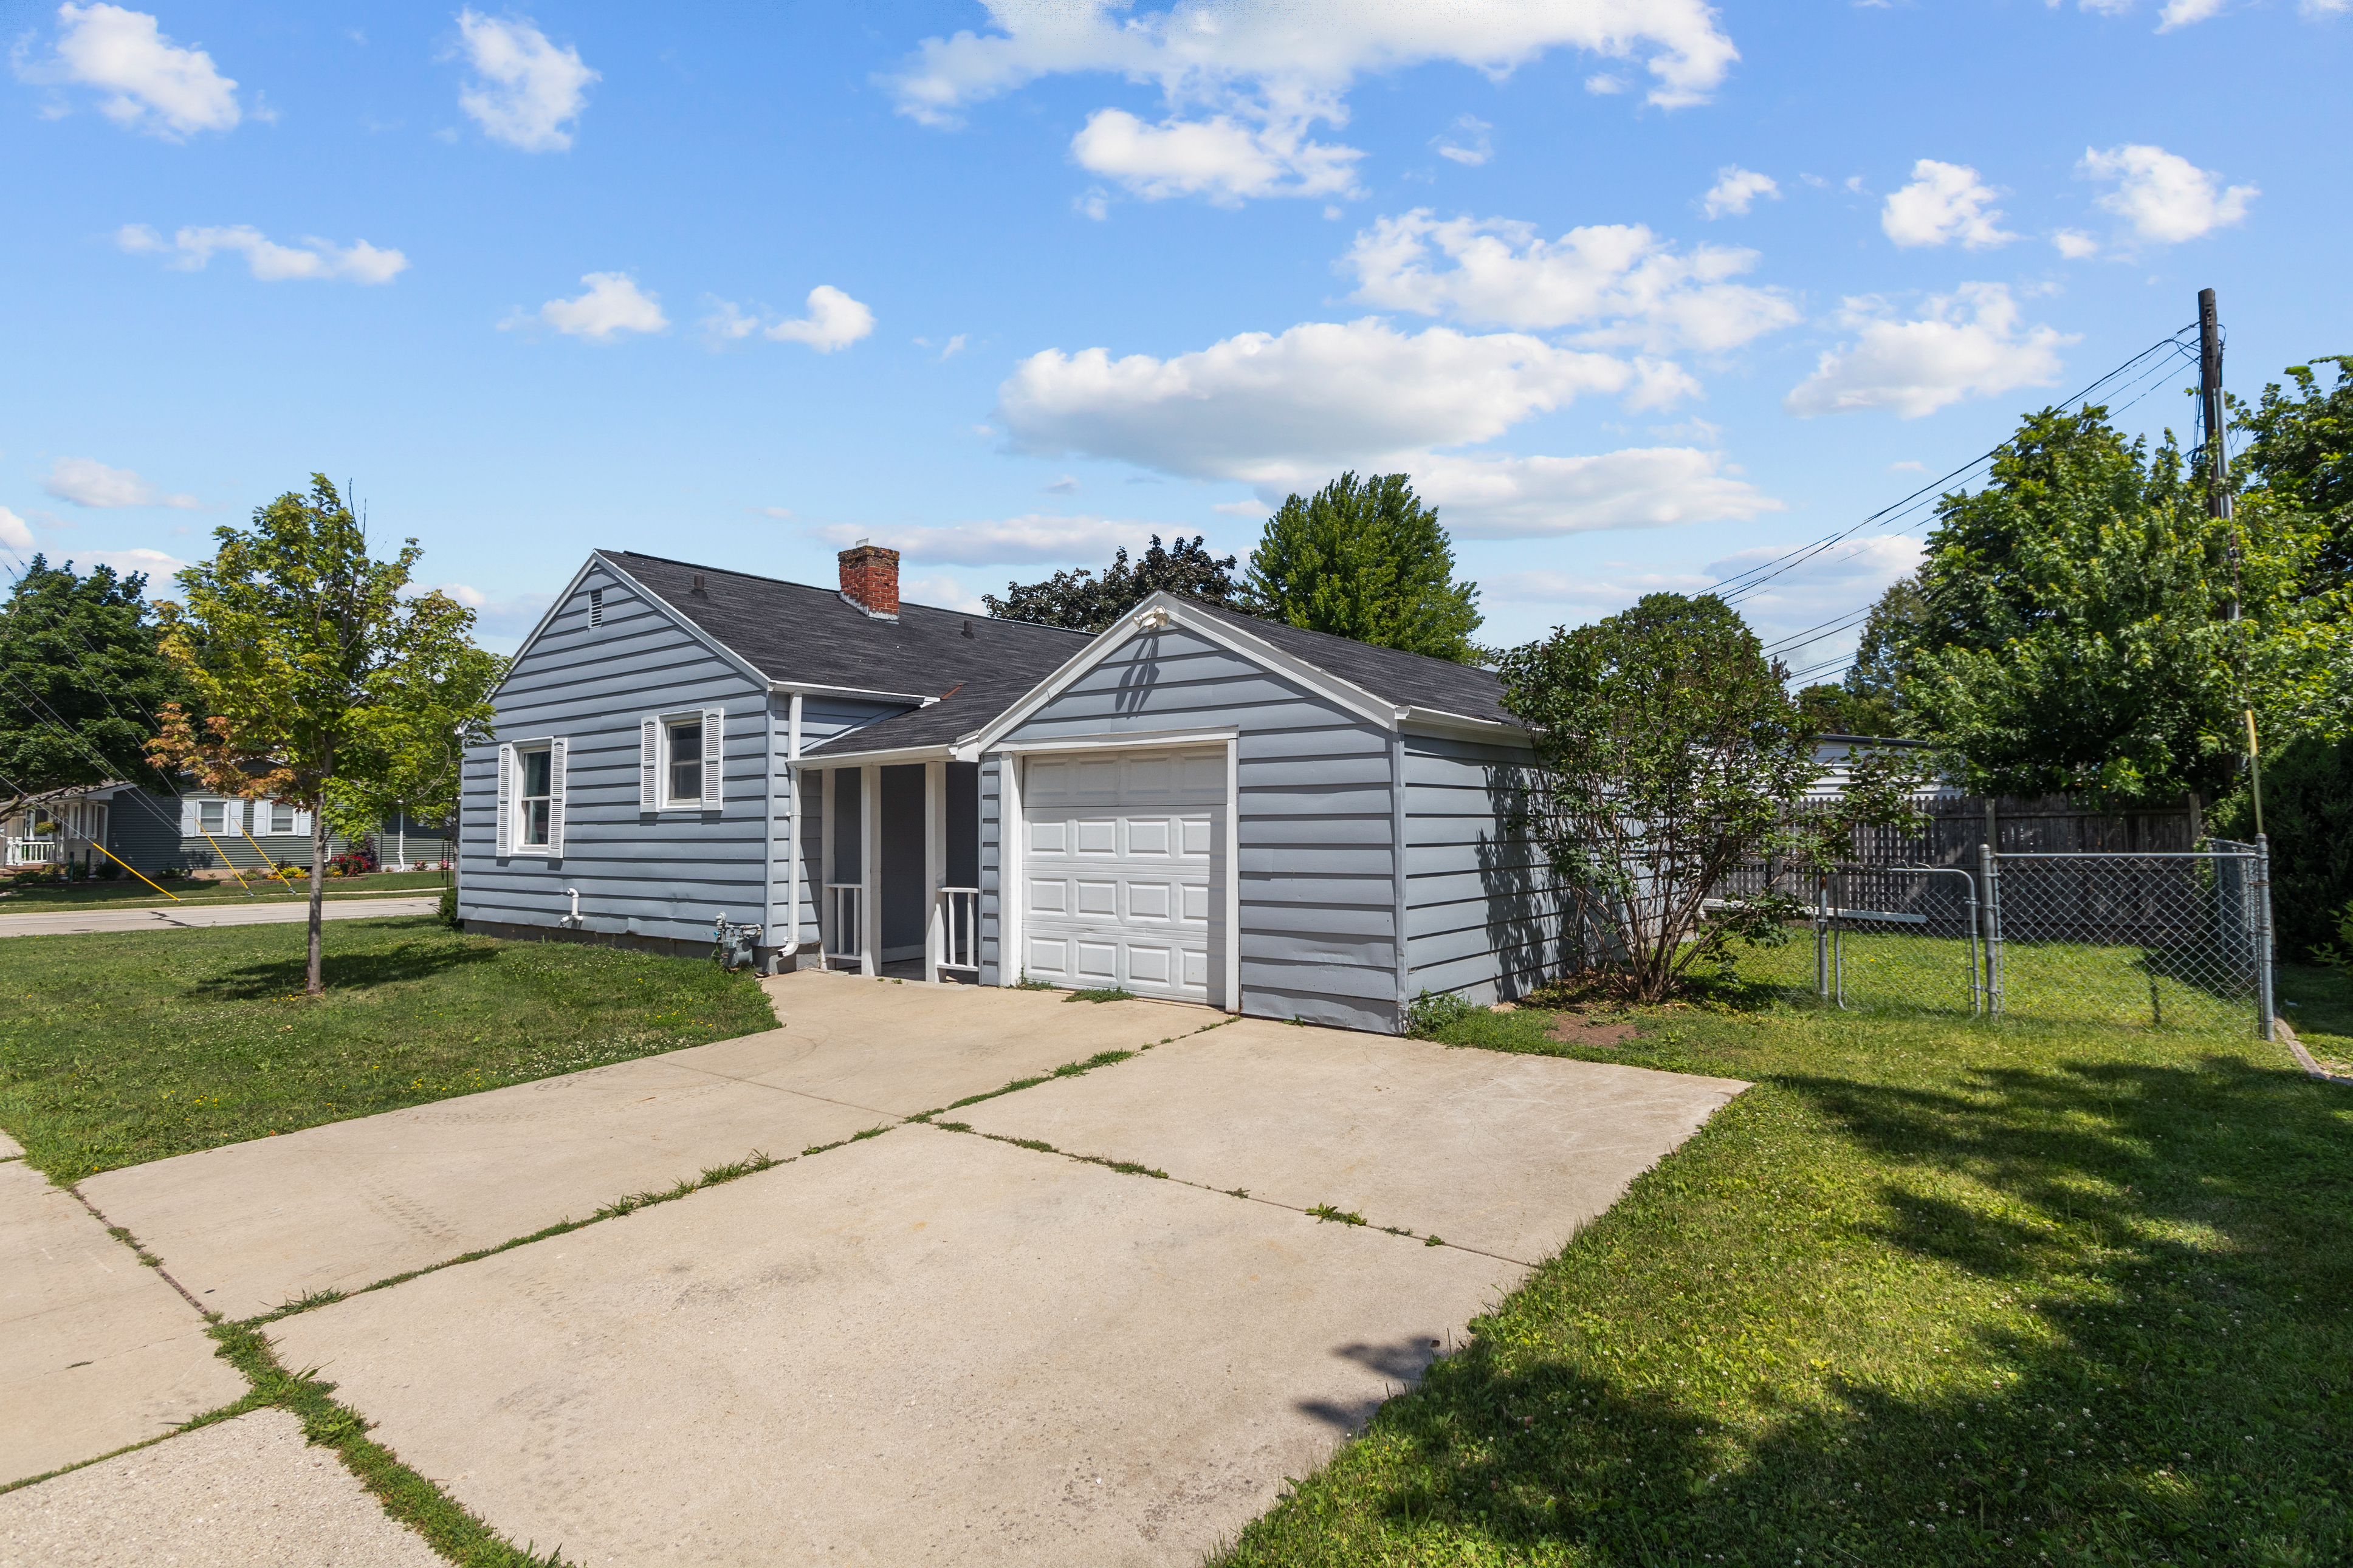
<point x="596" y="607"/>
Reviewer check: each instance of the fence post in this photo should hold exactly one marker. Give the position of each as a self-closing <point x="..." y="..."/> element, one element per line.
<point x="1992" y="875"/>
<point x="2265" y="1020"/>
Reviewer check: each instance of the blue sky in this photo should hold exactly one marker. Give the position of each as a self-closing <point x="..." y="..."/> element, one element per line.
<point x="1638" y="290"/>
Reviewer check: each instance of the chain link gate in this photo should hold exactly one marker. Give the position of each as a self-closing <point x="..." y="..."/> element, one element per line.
<point x="2165" y="941"/>
<point x="1899" y="938"/>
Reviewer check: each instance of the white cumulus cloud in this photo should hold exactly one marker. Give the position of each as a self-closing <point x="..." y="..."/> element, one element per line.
<point x="2164" y="196"/>
<point x="1505" y="497"/>
<point x="1220" y="158"/>
<point x="1274" y="408"/>
<point x="311" y="258"/>
<point x="834" y="321"/>
<point x="1206" y="48"/>
<point x="1267" y="70"/>
<point x="525" y="90"/>
<point x="1944" y="202"/>
<point x="1967" y="343"/>
<point x="1735" y="189"/>
<point x="13" y="533"/>
<point x="1037" y="536"/>
<point x="2182" y="13"/>
<point x="1619" y="281"/>
<point x="613" y="304"/>
<point x="159" y="567"/>
<point x="85" y="482"/>
<point x="146" y="81"/>
<point x="1467" y="144"/>
<point x="2075" y="245"/>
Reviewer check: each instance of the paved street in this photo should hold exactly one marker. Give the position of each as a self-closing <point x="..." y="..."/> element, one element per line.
<point x="184" y="917"/>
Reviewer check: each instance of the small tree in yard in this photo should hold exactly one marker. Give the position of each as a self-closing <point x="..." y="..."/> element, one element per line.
<point x="1668" y="753"/>
<point x="325" y="684"/>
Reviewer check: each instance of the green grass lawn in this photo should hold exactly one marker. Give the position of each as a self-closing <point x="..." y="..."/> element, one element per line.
<point x="1932" y="1292"/>
<point x="129" y="891"/>
<point x="120" y="1048"/>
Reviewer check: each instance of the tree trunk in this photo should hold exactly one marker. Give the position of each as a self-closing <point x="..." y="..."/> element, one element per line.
<point x="312" y="984"/>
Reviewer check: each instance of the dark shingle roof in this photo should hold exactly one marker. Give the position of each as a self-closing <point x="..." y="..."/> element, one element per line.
<point x="1407" y="680"/>
<point x="794" y="632"/>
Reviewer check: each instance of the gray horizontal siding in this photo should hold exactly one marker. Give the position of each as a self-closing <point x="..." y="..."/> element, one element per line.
<point x="1481" y="918"/>
<point x="1316" y="865"/>
<point x="663" y="874"/>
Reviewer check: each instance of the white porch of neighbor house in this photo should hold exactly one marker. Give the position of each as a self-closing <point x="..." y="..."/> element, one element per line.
<point x="898" y="868"/>
<point x="57" y="834"/>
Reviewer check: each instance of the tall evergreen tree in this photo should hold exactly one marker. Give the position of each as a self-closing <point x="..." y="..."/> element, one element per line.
<point x="1365" y="559"/>
<point x="81" y="678"/>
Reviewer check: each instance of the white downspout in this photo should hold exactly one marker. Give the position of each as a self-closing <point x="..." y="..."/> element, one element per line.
<point x="793" y="858"/>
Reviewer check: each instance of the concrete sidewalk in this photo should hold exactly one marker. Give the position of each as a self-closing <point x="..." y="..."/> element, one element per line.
<point x="251" y="1227"/>
<point x="246" y="1493"/>
<point x="101" y="1353"/>
<point x="187" y="917"/>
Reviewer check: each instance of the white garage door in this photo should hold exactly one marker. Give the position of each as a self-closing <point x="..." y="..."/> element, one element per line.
<point x="1121" y="869"/>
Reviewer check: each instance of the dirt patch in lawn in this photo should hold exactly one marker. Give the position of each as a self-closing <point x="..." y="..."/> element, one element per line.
<point x="1595" y="1030"/>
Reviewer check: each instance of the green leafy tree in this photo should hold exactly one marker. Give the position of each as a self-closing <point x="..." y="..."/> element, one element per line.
<point x="81" y="678"/>
<point x="1882" y="654"/>
<point x="1668" y="753"/>
<point x="1365" y="560"/>
<point x="1083" y="602"/>
<point x="2300" y="451"/>
<point x="2076" y="634"/>
<point x="2308" y="816"/>
<point x="325" y="682"/>
<point x="1831" y="709"/>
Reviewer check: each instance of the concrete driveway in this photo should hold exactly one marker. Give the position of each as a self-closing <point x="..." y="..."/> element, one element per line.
<point x="933" y="1344"/>
<point x="187" y="917"/>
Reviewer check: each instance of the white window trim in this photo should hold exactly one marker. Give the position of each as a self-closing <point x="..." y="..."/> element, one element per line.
<point x="654" y="761"/>
<point x="510" y="797"/>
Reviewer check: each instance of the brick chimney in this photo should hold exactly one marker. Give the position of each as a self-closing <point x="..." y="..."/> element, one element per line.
<point x="869" y="578"/>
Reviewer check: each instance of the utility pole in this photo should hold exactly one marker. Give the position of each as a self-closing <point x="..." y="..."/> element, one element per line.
<point x="2215" y="417"/>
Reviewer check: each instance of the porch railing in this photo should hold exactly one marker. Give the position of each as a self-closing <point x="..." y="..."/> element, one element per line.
<point x="960" y="929"/>
<point x="35" y="851"/>
<point x="845" y="937"/>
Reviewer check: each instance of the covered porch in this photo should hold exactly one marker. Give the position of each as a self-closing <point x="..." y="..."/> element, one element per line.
<point x="897" y="852"/>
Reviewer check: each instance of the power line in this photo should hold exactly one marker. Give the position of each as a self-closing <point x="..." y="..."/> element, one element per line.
<point x="1742" y="585"/>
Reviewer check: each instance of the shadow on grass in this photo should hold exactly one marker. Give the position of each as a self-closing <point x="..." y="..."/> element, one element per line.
<point x="343" y="971"/>
<point x="2181" y="1234"/>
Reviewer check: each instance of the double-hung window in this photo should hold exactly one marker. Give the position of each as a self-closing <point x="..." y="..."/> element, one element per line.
<point x="682" y="753"/>
<point x="535" y="801"/>
<point x="212" y="815"/>
<point x="281" y="816"/>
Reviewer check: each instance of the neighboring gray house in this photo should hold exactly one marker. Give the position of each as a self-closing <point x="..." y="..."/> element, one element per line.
<point x="1195" y="804"/>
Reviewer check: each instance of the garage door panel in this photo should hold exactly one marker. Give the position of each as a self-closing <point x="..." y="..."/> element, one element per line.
<point x="1140" y="830"/>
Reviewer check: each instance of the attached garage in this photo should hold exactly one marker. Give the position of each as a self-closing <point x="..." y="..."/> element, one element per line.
<point x="1123" y="869"/>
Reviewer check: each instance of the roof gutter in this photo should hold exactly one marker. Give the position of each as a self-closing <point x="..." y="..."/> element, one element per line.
<point x="916" y="698"/>
<point x="1459" y="723"/>
<point x="889" y="756"/>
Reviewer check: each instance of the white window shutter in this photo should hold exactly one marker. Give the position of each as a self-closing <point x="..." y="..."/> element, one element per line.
<point x="555" y="749"/>
<point x="649" y="763"/>
<point x="506" y="801"/>
<point x="233" y="816"/>
<point x="188" y="820"/>
<point x="301" y="818"/>
<point x="715" y="740"/>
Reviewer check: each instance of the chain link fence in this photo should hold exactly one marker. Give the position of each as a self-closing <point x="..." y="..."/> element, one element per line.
<point x="2177" y="939"/>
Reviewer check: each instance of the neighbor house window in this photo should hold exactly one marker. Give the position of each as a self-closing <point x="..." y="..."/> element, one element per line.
<point x="535" y="806"/>
<point x="212" y="815"/>
<point x="685" y="761"/>
<point x="281" y="816"/>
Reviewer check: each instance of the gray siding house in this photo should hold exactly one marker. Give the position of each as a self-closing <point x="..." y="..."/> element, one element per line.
<point x="1195" y="804"/>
